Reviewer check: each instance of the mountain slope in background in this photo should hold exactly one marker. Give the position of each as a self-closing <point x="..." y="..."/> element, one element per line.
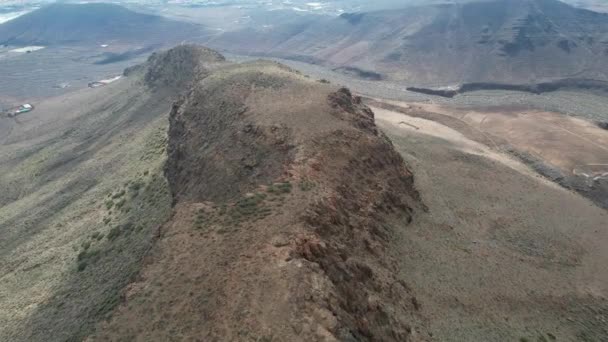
<point x="92" y="24"/>
<point x="514" y="41"/>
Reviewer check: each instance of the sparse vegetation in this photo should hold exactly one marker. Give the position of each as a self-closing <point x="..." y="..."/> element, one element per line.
<point x="306" y="185"/>
<point x="109" y="204"/>
<point x="120" y="203"/>
<point x="113" y="234"/>
<point x="86" y="257"/>
<point x="135" y="186"/>
<point x="114" y="246"/>
<point x="200" y="220"/>
<point x="249" y="207"/>
<point x="279" y="188"/>
<point x="118" y="194"/>
<point x="85" y="245"/>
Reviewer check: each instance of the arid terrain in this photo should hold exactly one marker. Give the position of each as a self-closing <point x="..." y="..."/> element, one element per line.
<point x="507" y="41"/>
<point x="502" y="254"/>
<point x="202" y="196"/>
<point x="275" y="209"/>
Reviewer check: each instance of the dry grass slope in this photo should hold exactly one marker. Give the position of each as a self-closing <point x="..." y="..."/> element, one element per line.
<point x="83" y="194"/>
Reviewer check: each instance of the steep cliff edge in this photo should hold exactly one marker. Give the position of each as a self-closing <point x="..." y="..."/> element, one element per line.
<point x="286" y="200"/>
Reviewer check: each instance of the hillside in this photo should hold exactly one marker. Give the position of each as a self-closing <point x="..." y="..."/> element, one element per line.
<point x="82" y="195"/>
<point x="199" y="199"/>
<point x="285" y="185"/>
<point x="93" y="24"/>
<point x="278" y="182"/>
<point x="508" y="41"/>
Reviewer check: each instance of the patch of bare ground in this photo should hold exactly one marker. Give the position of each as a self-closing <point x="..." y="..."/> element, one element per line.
<point x="568" y="150"/>
<point x="502" y="254"/>
<point x="288" y="202"/>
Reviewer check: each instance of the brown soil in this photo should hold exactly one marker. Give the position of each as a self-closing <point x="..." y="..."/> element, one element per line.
<point x="288" y="201"/>
<point x="555" y="145"/>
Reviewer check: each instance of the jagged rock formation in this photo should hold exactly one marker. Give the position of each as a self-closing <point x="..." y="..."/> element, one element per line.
<point x="286" y="201"/>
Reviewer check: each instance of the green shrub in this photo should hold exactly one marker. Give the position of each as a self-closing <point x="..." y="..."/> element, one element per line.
<point x="280" y="188"/>
<point x="113" y="234"/>
<point x="86" y="257"/>
<point x="306" y="185"/>
<point x="81" y="266"/>
<point x="135" y="186"/>
<point x="119" y="194"/>
<point x="109" y="204"/>
<point x="120" y="203"/>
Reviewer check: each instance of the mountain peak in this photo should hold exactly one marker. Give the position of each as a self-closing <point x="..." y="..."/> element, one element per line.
<point x="179" y="66"/>
<point x="93" y="23"/>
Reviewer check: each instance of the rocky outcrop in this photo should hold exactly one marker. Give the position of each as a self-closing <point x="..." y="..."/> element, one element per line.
<point x="180" y="66"/>
<point x="287" y="200"/>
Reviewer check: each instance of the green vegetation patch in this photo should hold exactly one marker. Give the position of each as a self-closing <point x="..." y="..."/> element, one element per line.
<point x="279" y="188"/>
<point x="119" y="194"/>
<point x="249" y="208"/>
<point x="86" y="257"/>
<point x="306" y="185"/>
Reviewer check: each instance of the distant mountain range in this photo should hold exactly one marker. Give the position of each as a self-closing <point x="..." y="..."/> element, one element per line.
<point x="93" y="23"/>
<point x="511" y="41"/>
<point x="498" y="41"/>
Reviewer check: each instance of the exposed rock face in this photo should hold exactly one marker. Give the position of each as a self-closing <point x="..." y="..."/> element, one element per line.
<point x="296" y="197"/>
<point x="216" y="151"/>
<point x="180" y="66"/>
